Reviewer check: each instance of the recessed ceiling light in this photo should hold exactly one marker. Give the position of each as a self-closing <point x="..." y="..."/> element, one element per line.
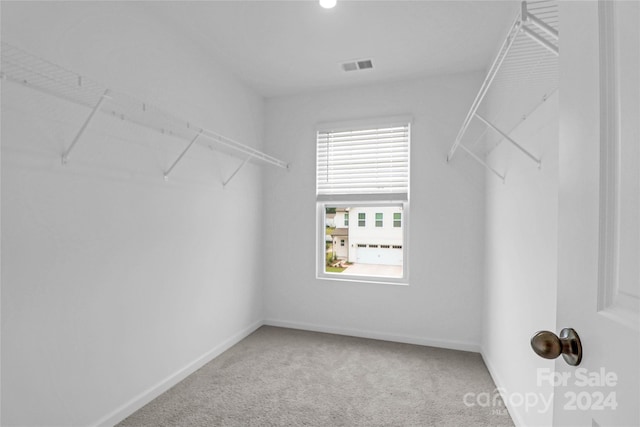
<point x="328" y="4"/>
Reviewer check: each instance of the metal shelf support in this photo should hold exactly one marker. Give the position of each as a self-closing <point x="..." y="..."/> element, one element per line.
<point x="166" y="174"/>
<point x="508" y="138"/>
<point x="486" y="84"/>
<point x="541" y="40"/>
<point x="244" y="149"/>
<point x="65" y="155"/>
<point x="482" y="162"/>
<point x="23" y="68"/>
<point x="530" y="18"/>
<point x="224" y="183"/>
<point x="513" y="66"/>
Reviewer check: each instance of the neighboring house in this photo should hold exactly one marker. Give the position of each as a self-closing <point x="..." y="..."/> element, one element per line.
<point x="341" y="218"/>
<point x="369" y="235"/>
<point x="340" y="238"/>
<point x="330" y="220"/>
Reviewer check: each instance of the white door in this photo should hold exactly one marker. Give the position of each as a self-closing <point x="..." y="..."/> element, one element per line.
<point x="599" y="211"/>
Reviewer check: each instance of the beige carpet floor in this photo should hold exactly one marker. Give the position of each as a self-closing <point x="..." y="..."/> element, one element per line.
<point x="285" y="377"/>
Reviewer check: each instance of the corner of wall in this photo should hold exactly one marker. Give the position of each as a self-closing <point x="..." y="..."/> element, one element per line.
<point x="156" y="390"/>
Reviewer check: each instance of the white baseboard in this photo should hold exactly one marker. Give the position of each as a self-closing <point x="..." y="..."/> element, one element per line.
<point x="500" y="385"/>
<point x="148" y="395"/>
<point x="452" y="345"/>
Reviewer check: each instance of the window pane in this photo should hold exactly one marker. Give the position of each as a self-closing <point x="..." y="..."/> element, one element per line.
<point x="365" y="251"/>
<point x="378" y="219"/>
<point x="397" y="219"/>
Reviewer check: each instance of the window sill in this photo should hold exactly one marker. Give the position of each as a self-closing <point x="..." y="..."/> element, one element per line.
<point x="379" y="280"/>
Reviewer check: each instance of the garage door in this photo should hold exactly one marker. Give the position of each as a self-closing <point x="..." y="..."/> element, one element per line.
<point x="379" y="255"/>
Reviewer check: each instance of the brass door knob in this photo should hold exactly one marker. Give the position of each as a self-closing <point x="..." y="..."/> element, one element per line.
<point x="548" y="345"/>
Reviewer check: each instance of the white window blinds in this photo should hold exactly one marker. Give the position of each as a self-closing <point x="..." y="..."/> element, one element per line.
<point x="371" y="161"/>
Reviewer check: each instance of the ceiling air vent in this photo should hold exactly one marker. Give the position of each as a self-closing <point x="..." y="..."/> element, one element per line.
<point x="361" y="64"/>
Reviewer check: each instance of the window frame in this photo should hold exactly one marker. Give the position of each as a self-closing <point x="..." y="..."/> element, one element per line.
<point x="320" y="254"/>
<point x="364" y="200"/>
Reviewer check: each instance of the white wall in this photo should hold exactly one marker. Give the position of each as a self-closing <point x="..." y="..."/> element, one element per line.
<point x="115" y="283"/>
<point x="442" y="304"/>
<point x="521" y="262"/>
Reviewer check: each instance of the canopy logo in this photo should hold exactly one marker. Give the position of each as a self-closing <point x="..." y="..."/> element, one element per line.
<point x="599" y="397"/>
<point x="592" y="390"/>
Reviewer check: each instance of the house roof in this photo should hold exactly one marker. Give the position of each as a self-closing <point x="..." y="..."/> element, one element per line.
<point x="340" y="232"/>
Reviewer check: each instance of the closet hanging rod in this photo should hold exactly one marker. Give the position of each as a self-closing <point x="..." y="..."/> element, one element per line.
<point x="28" y="70"/>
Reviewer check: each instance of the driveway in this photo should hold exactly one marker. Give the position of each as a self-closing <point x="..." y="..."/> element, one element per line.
<point x="374" y="270"/>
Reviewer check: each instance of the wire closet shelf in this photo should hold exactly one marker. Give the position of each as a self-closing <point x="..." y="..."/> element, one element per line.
<point x="523" y="75"/>
<point x="23" y="68"/>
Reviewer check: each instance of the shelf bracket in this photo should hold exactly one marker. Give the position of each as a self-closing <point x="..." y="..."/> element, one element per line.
<point x="508" y="138"/>
<point x="168" y="171"/>
<point x="482" y="162"/>
<point x="543" y="26"/>
<point x="486" y="84"/>
<point x="540" y="40"/>
<point x="224" y="184"/>
<point x="552" y="32"/>
<point x="65" y="155"/>
<point x="549" y="30"/>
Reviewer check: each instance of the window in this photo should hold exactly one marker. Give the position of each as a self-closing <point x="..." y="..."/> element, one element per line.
<point x="378" y="219"/>
<point x="397" y="219"/>
<point x="362" y="219"/>
<point x="362" y="169"/>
